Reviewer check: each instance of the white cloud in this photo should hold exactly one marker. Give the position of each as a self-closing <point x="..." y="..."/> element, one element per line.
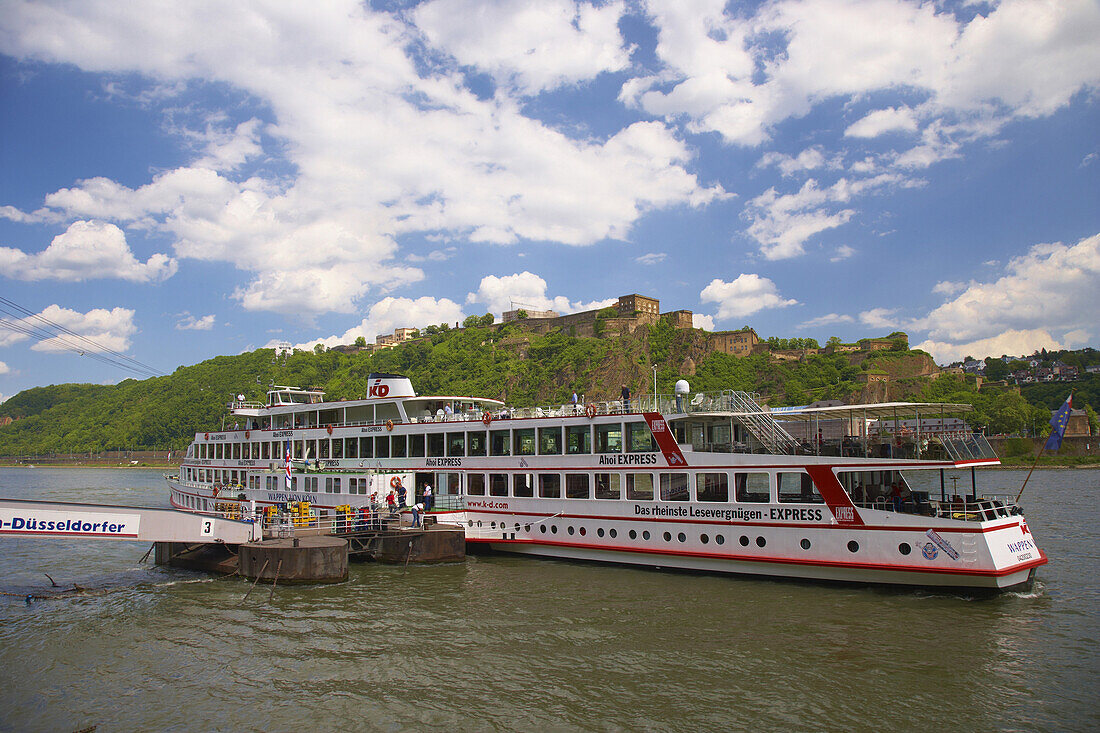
<point x="4" y="368"/>
<point x="85" y="251"/>
<point x="105" y="330"/>
<point x="190" y="323"/>
<point x="380" y="136"/>
<point x="882" y="121"/>
<point x="698" y="320"/>
<point x="880" y="318"/>
<point x="829" y="319"/>
<point x="532" y="45"/>
<point x="843" y="252"/>
<point x="1011" y="342"/>
<point x="744" y="296"/>
<point x="526" y="290"/>
<point x="652" y="258"/>
<point x="436" y="255"/>
<point x="809" y="159"/>
<point x="1047" y="290"/>
<point x="390" y="313"/>
<point x="946" y="287"/>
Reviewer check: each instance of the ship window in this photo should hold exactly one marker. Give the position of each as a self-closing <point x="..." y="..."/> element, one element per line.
<point x="797" y="488"/>
<point x="609" y="438"/>
<point x="323" y="446"/>
<point x="641" y="439"/>
<point x="523" y="442"/>
<point x="366" y="447"/>
<point x="576" y="486"/>
<point x="578" y="439"/>
<point x="217" y="451"/>
<point x="351" y="447"/>
<point x="398" y="446"/>
<point x="475" y="484"/>
<point x="752" y="487"/>
<point x="298" y="449"/>
<point x="435" y="445"/>
<point x="416" y="446"/>
<point x="608" y="486"/>
<point x="382" y="447"/>
<point x="549" y="486"/>
<point x="475" y="443"/>
<point x="337" y="447"/>
<point x="311" y="449"/>
<point x="712" y="487"/>
<point x="674" y="487"/>
<point x="498" y="484"/>
<point x="447" y="483"/>
<point x="456" y="444"/>
<point x="236" y="451"/>
<point x="523" y="484"/>
<point x="332" y="485"/>
<point x="310" y="483"/>
<point x="498" y="441"/>
<point x="550" y="441"/>
<point x="265" y="451"/>
<point x="247" y="451"/>
<point x="639" y="486"/>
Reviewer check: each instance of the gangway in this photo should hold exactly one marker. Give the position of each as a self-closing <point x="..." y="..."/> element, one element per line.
<point x="26" y="518"/>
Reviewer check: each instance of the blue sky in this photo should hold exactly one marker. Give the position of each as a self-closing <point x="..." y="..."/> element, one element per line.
<point x="194" y="179"/>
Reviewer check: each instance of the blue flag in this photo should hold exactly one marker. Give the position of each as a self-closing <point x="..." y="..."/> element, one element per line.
<point x="1058" y="425"/>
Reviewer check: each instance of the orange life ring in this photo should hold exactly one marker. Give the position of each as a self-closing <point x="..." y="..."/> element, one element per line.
<point x="395" y="482"/>
<point x="207" y="436"/>
<point x="329" y="429"/>
<point x="246" y="435"/>
<point x="590" y="410"/>
<point x="389" y="425"/>
<point x="486" y="417"/>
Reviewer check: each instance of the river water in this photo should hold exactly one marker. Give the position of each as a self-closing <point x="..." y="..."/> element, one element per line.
<point x="507" y="643"/>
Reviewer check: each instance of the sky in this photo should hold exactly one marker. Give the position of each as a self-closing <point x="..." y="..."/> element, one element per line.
<point x="183" y="180"/>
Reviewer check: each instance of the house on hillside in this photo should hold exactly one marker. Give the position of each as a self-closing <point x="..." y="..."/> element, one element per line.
<point x="735" y="343"/>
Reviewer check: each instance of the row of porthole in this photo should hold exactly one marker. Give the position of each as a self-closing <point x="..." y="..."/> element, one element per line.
<point x="904" y="548"/>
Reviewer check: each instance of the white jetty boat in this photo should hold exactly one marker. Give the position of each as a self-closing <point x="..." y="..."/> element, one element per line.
<point x="705" y="481"/>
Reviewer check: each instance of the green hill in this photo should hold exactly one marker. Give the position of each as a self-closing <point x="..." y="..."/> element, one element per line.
<point x="504" y="362"/>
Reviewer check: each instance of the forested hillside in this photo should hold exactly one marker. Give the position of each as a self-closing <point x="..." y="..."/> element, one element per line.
<point x="504" y="362"/>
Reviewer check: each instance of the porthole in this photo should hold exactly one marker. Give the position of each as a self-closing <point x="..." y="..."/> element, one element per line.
<point x="682" y="537"/>
<point x="904" y="548"/>
<point x="668" y="536"/>
<point x="553" y="529"/>
<point x="583" y="531"/>
<point x="853" y="546"/>
<point x="479" y="523"/>
<point x="599" y="532"/>
<point x="542" y="528"/>
<point x="704" y="539"/>
<point x="760" y="542"/>
<point x="633" y="535"/>
<point x="571" y="530"/>
<point x="471" y="523"/>
<point x="645" y="535"/>
<point x="612" y="533"/>
<point x="744" y="541"/>
<point x="517" y="526"/>
<point x="805" y="543"/>
<point x="527" y="528"/>
<point x="719" y="539"/>
<point x="493" y="525"/>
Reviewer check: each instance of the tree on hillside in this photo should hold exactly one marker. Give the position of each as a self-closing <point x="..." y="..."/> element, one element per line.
<point x="995" y="369"/>
<point x="360" y="341"/>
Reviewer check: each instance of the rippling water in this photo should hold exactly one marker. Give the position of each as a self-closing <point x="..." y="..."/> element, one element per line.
<point x="504" y="643"/>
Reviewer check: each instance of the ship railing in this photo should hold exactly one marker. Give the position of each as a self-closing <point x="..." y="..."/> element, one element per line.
<point x="971" y="509"/>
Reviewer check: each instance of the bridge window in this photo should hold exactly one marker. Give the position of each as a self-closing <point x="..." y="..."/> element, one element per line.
<point x="576" y="486"/>
<point x="475" y="443"/>
<point x="797" y="487"/>
<point x="640" y="438"/>
<point x="549" y="486"/>
<point x="609" y="438"/>
<point x="608" y="486"/>
<point x="366" y="447"/>
<point x="475" y="484"/>
<point x="382" y="447"/>
<point x="416" y="446"/>
<point x="550" y="441"/>
<point x="578" y="439"/>
<point x="436" y="445"/>
<point x="752" y="487"/>
<point x="398" y="446"/>
<point x="712" y="487"/>
<point x="674" y="487"/>
<point x="498" y="484"/>
<point x="639" y="486"/>
<point x="499" y="442"/>
<point x="523" y="484"/>
<point x="523" y="442"/>
<point x="456" y="444"/>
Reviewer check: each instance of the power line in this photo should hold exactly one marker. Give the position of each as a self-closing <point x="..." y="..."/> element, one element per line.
<point x="68" y="339"/>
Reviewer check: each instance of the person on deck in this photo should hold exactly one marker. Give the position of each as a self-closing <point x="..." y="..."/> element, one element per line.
<point x="400" y="494"/>
<point x="427" y="497"/>
<point x="625" y="393"/>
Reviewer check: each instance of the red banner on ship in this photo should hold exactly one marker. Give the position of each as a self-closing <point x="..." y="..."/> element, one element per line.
<point x="828" y="485"/>
<point x="665" y="440"/>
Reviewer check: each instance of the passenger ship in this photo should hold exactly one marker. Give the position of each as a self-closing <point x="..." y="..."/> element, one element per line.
<point x="699" y="481"/>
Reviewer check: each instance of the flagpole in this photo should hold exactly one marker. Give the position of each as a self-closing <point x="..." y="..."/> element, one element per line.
<point x="1033" y="465"/>
<point x="1057" y="428"/>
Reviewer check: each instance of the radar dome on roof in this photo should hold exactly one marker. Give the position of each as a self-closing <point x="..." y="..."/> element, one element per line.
<point x="682" y="387"/>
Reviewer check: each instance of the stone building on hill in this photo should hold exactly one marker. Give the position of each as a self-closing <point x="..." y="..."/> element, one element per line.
<point x="736" y="343"/>
<point x="629" y="312"/>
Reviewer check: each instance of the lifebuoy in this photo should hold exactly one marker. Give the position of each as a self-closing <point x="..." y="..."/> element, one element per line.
<point x="395" y="482"/>
<point x="486" y="417"/>
<point x="590" y="410"/>
<point x="207" y="436"/>
<point x="389" y="425"/>
<point x="329" y="429"/>
<point x="246" y="435"/>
